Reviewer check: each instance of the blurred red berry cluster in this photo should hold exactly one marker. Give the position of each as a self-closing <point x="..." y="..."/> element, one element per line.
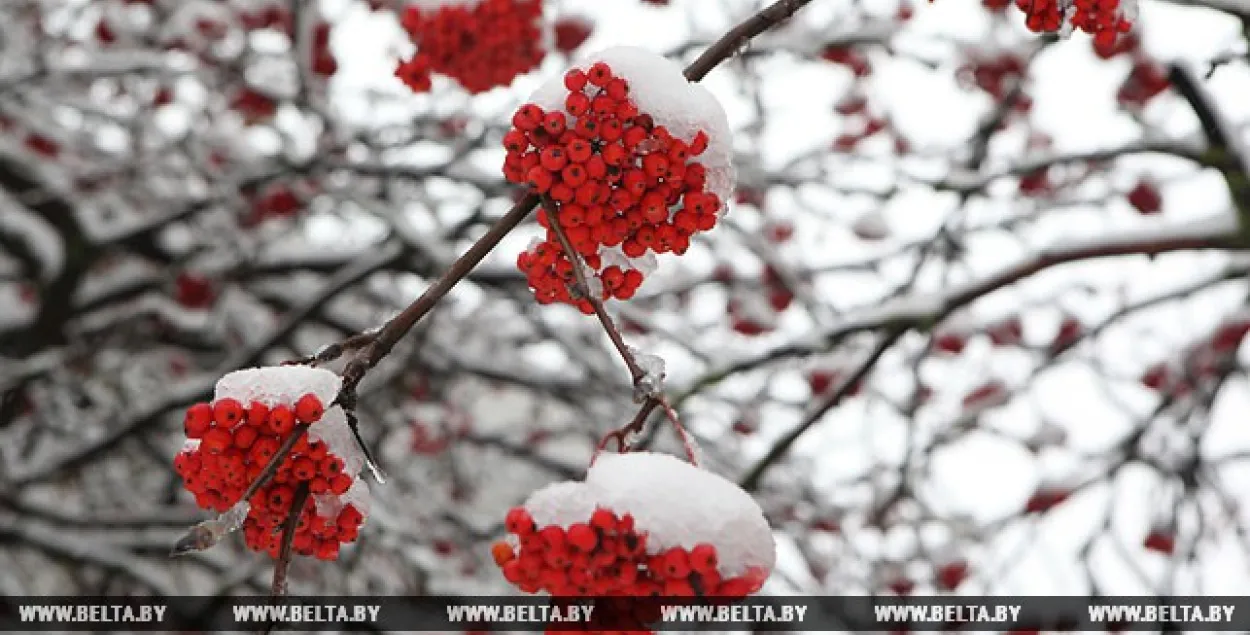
<point x="480" y="46"/>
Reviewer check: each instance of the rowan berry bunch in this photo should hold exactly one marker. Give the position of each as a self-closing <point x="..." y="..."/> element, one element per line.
<point x="619" y="535"/>
<point x="607" y="556"/>
<point x="230" y="443"/>
<point x="481" y="46"/>
<point x="1106" y="20"/>
<point x="622" y="184"/>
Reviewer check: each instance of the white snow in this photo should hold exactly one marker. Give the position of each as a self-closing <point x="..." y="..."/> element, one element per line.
<point x="658" y="87"/>
<point x="334" y="431"/>
<point x="676" y="503"/>
<point x="273" y="385"/>
<point x="652" y="382"/>
<point x="871" y="226"/>
<point x="645" y="264"/>
<point x="329" y="505"/>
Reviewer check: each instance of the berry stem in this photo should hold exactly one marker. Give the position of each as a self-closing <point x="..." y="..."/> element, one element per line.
<point x="271" y="468"/>
<point x="582" y="287"/>
<point x="278" y="588"/>
<point x="650" y="399"/>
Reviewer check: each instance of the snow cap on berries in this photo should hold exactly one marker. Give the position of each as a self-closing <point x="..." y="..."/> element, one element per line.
<point x="275" y="385"/>
<point x="674" y="502"/>
<point x="658" y="87"/>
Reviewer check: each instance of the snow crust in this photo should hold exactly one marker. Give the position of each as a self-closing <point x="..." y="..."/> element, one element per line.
<point x="658" y="87"/>
<point x="273" y="385"/>
<point x="676" y="503"/>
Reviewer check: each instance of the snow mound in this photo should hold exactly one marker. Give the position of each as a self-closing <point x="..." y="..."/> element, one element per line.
<point x="676" y="503"/>
<point x="658" y="87"/>
<point x="273" y="385"/>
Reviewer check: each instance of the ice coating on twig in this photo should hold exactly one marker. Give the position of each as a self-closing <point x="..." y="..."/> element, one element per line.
<point x="652" y="381"/>
<point x="210" y="532"/>
<point x="594" y="286"/>
<point x="674" y="502"/>
<point x="658" y="87"/>
<point x="273" y="385"/>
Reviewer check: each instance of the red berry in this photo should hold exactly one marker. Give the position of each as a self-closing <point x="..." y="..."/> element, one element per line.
<point x="502" y="553"/>
<point x="703" y="558"/>
<point x="519" y="522"/>
<point x="244" y="437"/>
<point x="309" y="409"/>
<point x="227" y="412"/>
<point x="216" y="441"/>
<point x="197" y="420"/>
<point x="676" y="563"/>
<point x="340" y="483"/>
<point x="281" y="420"/>
<point x="257" y="413"/>
<point x="575" y="80"/>
<point x="582" y="536"/>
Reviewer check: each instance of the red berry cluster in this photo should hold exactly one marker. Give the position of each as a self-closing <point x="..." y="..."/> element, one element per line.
<point x="607" y="557"/>
<point x="616" y="177"/>
<point x="254" y="106"/>
<point x="571" y="32"/>
<point x="1206" y="360"/>
<point x="994" y="74"/>
<point x="1161" y="539"/>
<point x="850" y="57"/>
<point x="1145" y="82"/>
<point x="1101" y="18"/>
<point x="235" y="445"/>
<point x="323" y="62"/>
<point x="481" y="47"/>
<point x="278" y="201"/>
<point x="194" y="291"/>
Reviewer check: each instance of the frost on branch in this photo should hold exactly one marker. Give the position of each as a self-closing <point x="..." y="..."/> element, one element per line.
<point x="631" y="159"/>
<point x="652" y="381"/>
<point x="234" y="441"/>
<point x="646" y="524"/>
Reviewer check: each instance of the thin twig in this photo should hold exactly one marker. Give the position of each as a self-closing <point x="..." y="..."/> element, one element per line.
<point x="288" y="541"/>
<point x="398" y="326"/>
<point x="206" y="534"/>
<point x="650" y="396"/>
<point x="738" y="37"/>
<point x="636" y="372"/>
<point x="752" y="479"/>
